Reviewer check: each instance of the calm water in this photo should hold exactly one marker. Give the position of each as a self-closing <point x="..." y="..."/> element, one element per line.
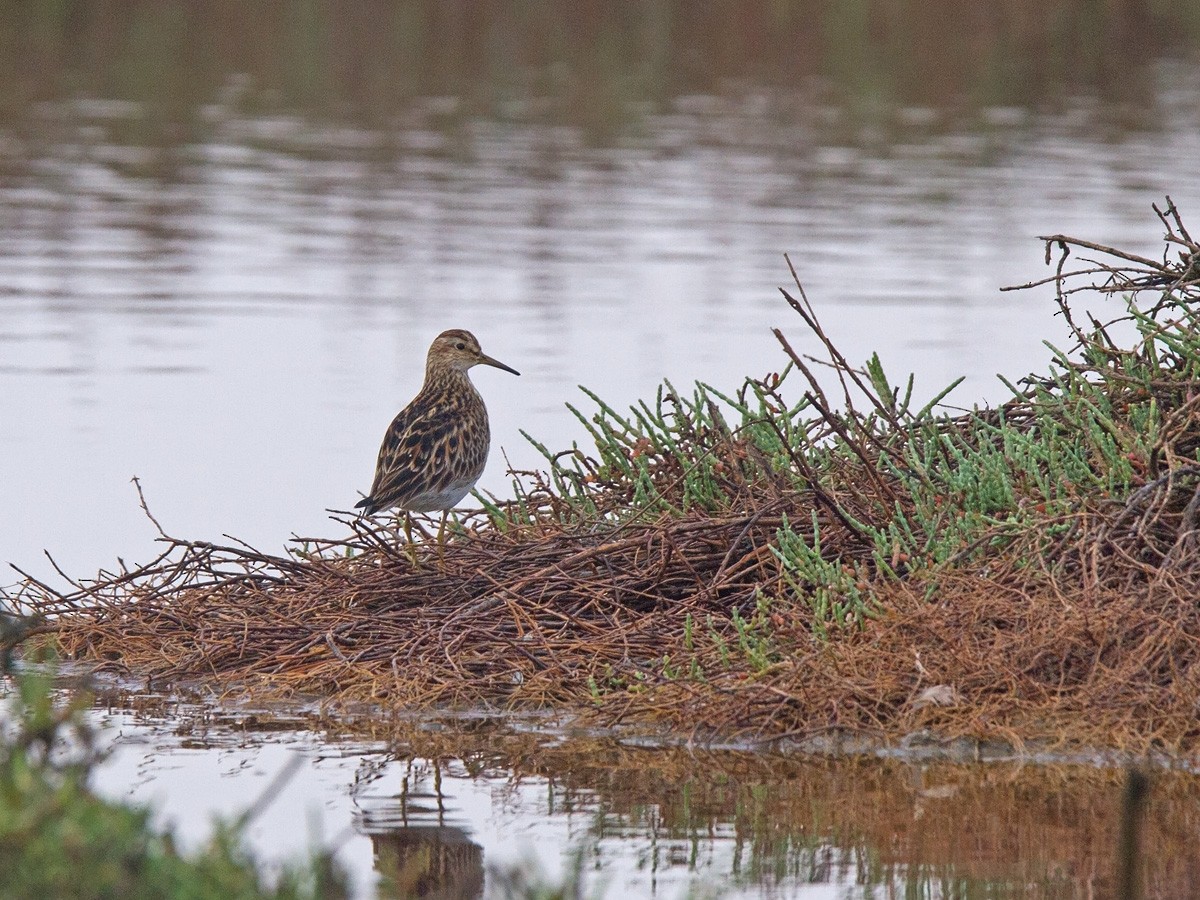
<point x="451" y="809"/>
<point x="228" y="233"/>
<point x="224" y="250"/>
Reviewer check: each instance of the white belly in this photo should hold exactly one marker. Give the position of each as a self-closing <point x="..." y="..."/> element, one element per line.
<point x="447" y="498"/>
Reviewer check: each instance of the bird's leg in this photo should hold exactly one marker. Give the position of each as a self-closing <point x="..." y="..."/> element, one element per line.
<point x="441" y="539"/>
<point x="412" y="548"/>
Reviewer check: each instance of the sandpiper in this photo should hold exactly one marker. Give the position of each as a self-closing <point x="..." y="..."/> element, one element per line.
<point x="435" y="449"/>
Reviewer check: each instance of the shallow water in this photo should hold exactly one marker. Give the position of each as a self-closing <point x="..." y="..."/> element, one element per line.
<point x="224" y="250"/>
<point x="227" y="237"/>
<point x="455" y="805"/>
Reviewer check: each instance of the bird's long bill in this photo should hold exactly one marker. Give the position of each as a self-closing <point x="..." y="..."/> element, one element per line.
<point x="488" y="361"/>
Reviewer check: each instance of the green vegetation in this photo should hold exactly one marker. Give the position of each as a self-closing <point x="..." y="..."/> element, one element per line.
<point x="906" y="491"/>
<point x="778" y="560"/>
<point x="58" y="839"/>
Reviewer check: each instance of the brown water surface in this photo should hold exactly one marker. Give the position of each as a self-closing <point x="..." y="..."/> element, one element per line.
<point x="457" y="804"/>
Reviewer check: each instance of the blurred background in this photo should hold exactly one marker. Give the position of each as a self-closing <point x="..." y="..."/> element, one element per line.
<point x="229" y="231"/>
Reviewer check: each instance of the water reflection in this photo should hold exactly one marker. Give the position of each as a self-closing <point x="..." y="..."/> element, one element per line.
<point x="227" y="236"/>
<point x="595" y="66"/>
<point x="427" y="861"/>
<point x="417" y="852"/>
<point x="450" y="812"/>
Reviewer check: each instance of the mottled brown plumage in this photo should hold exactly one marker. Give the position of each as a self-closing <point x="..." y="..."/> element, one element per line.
<point x="435" y="449"/>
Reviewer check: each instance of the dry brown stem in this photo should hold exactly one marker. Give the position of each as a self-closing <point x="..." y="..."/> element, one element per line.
<point x="1083" y="627"/>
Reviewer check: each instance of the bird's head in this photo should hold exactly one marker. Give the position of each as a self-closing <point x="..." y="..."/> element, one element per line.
<point x="459" y="350"/>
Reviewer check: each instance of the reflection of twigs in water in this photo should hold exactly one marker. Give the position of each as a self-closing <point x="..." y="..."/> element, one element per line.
<point x="1133" y="807"/>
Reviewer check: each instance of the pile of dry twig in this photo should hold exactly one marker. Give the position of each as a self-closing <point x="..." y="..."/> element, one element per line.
<point x="1064" y="610"/>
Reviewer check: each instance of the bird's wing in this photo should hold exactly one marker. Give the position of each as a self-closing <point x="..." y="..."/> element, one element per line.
<point x="414" y="457"/>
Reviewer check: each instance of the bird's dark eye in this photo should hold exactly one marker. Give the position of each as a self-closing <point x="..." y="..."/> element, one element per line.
<point x="460" y="346"/>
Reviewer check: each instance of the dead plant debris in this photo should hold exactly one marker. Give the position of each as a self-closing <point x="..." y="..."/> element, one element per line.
<point x="761" y="564"/>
